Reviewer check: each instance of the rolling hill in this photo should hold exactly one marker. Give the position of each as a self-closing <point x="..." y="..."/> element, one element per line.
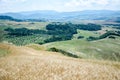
<point x="26" y="63"/>
<point x="51" y="45"/>
<point x="104" y="49"/>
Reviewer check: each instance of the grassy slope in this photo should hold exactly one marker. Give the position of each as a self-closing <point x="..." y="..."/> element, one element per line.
<point x="3" y="52"/>
<point x="106" y="49"/>
<point x="29" y="25"/>
<point x="86" y="34"/>
<point x="25" y="64"/>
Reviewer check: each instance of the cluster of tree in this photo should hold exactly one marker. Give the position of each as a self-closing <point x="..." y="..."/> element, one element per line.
<point x="80" y="37"/>
<point x="23" y="31"/>
<point x="23" y="40"/>
<point x="89" y="27"/>
<point x="22" y="36"/>
<point x="109" y="34"/>
<point x="65" y="31"/>
<point x="112" y="24"/>
<point x="61" y="28"/>
<point x="64" y="26"/>
<point x="63" y="52"/>
<point x="60" y="31"/>
<point x="117" y="26"/>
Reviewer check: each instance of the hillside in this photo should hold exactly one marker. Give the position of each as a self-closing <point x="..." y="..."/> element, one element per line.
<point x="104" y="49"/>
<point x="59" y="40"/>
<point x="25" y="63"/>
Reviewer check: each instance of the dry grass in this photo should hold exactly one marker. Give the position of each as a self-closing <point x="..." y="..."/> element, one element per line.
<point x="37" y="47"/>
<point x="28" y="64"/>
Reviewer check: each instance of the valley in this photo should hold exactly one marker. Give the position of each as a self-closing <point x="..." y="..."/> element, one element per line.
<point x="49" y="45"/>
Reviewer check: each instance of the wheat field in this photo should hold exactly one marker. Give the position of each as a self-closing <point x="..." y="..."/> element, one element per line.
<point x="24" y="63"/>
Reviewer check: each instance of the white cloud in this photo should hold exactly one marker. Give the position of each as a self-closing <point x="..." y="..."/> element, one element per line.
<point x="10" y="1"/>
<point x="86" y="3"/>
<point x="92" y="4"/>
<point x="72" y="3"/>
<point x="100" y="2"/>
<point x="58" y="5"/>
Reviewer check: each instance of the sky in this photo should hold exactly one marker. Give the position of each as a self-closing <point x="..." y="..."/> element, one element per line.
<point x="58" y="5"/>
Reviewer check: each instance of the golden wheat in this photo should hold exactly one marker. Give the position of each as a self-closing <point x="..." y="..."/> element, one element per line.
<point x="28" y="64"/>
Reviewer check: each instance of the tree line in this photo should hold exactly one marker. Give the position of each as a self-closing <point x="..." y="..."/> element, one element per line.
<point x="109" y="34"/>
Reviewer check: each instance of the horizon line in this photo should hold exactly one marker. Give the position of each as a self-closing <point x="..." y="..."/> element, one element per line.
<point x="56" y="11"/>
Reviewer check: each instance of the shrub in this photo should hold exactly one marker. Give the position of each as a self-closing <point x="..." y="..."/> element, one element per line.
<point x="63" y="52"/>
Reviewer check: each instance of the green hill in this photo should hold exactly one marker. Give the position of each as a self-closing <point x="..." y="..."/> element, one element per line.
<point x="105" y="49"/>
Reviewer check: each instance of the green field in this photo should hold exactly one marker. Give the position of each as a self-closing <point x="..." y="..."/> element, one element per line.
<point x="30" y="25"/>
<point x="86" y="34"/>
<point x="106" y="49"/>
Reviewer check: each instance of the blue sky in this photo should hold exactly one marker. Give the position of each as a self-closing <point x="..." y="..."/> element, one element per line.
<point x="58" y="5"/>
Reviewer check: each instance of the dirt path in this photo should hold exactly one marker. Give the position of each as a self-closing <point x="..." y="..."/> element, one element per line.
<point x="28" y="64"/>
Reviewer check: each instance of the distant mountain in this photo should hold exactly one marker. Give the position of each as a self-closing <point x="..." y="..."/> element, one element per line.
<point x="14" y="15"/>
<point x="75" y="15"/>
<point x="3" y="17"/>
<point x="42" y="14"/>
<point x="9" y="18"/>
